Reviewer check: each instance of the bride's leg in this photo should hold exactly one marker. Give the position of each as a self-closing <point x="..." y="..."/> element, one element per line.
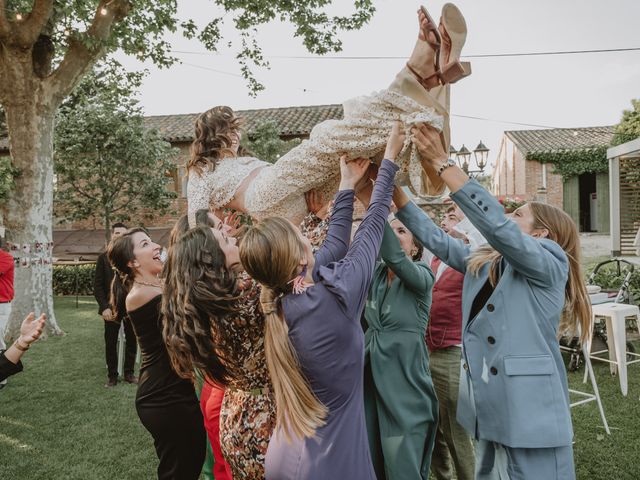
<point x="437" y="98"/>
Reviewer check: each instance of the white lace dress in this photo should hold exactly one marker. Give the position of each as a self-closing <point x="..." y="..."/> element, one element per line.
<point x="278" y="189"/>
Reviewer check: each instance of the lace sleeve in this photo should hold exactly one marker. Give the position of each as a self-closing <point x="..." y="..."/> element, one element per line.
<point x="199" y="191"/>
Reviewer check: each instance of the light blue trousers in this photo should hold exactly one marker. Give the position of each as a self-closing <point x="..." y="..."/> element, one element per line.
<point x="498" y="462"/>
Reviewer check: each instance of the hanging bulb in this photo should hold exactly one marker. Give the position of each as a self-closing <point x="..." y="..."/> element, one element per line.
<point x="104" y="11"/>
<point x="18" y="16"/>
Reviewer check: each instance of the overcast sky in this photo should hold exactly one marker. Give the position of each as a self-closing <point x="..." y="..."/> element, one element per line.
<point x="557" y="91"/>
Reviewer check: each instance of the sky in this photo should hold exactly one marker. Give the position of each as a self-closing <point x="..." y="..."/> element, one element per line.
<point x="577" y="90"/>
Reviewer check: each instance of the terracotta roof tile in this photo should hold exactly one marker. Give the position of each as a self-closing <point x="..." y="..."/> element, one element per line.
<point x="292" y="121"/>
<point x="559" y="139"/>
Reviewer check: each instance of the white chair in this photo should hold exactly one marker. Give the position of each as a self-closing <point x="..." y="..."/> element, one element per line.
<point x="588" y="397"/>
<point x="615" y="315"/>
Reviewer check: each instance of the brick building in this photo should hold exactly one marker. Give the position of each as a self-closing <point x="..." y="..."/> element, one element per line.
<point x="585" y="197"/>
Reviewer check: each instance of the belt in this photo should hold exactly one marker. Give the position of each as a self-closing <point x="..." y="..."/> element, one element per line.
<point x="255" y="392"/>
<point x="1" y="303"/>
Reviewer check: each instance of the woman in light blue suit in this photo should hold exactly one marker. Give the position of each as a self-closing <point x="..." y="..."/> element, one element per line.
<point x="519" y="292"/>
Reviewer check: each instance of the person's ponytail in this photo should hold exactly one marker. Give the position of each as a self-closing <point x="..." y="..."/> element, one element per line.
<point x="298" y="410"/>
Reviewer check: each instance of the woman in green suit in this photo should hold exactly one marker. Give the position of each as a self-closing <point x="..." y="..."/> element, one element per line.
<point x="400" y="401"/>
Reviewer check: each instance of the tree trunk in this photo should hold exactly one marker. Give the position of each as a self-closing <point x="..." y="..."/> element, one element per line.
<point x="107" y="226"/>
<point x="28" y="213"/>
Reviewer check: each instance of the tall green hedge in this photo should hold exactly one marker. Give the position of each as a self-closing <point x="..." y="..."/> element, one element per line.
<point x="73" y="279"/>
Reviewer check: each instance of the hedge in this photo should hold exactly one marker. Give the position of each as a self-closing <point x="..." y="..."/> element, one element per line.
<point x="73" y="279"/>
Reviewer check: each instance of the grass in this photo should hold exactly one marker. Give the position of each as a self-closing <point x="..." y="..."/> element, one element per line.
<point x="58" y="421"/>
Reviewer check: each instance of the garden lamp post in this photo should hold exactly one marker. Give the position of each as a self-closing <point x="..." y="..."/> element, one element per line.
<point x="463" y="158"/>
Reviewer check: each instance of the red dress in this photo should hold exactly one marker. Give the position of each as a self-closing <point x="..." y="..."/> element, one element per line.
<point x="210" y="403"/>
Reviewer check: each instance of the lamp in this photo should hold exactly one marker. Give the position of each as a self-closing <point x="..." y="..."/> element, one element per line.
<point x="481" y="153"/>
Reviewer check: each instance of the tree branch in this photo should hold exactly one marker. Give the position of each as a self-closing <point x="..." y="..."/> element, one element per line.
<point x="29" y="30"/>
<point x="80" y="57"/>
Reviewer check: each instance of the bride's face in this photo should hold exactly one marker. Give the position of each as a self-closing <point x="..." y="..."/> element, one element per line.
<point x="235" y="136"/>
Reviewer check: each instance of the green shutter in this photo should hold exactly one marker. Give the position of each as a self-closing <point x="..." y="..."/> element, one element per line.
<point x="571" y="198"/>
<point x="602" y="189"/>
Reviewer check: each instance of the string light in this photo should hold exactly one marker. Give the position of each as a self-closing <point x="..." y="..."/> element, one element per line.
<point x="104" y="11"/>
<point x="18" y="16"/>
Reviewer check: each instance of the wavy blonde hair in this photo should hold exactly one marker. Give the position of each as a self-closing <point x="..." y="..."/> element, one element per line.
<point x="563" y="231"/>
<point x="212" y="139"/>
<point x="271" y="253"/>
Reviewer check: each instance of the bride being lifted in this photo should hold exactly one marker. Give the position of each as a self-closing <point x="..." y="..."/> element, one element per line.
<point x="219" y="178"/>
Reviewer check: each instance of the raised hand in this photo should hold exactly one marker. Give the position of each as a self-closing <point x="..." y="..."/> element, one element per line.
<point x="395" y="142"/>
<point x="351" y="171"/>
<point x="314" y="201"/>
<point x="429" y="143"/>
<point x="231" y="223"/>
<point x="31" y="329"/>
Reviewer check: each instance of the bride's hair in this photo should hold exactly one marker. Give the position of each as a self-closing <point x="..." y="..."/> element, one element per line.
<point x="213" y="141"/>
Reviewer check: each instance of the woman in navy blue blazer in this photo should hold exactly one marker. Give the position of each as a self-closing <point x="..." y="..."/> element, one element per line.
<point x="520" y="291"/>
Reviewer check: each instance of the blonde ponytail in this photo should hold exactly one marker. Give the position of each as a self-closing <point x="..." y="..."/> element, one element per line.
<point x="298" y="410"/>
<point x="271" y="252"/>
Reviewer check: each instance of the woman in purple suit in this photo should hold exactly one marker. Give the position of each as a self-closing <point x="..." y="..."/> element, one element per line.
<point x="313" y="340"/>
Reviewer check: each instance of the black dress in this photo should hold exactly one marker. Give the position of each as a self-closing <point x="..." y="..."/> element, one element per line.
<point x="167" y="404"/>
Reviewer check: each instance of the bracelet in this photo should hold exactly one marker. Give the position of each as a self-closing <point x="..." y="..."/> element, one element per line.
<point x="20" y="347"/>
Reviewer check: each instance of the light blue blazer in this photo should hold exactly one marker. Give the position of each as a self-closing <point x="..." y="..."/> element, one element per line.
<point x="513" y="389"/>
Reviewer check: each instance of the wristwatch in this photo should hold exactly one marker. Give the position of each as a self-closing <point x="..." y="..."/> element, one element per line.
<point x="449" y="163"/>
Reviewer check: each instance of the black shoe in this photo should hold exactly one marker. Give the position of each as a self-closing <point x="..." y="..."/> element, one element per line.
<point x="130" y="378"/>
<point x="111" y="382"/>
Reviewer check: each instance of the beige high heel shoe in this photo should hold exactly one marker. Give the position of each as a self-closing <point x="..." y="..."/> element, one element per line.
<point x="453" y="31"/>
<point x="432" y="80"/>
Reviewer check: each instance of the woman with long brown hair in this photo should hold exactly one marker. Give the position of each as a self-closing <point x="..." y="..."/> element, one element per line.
<point x="211" y="395"/>
<point x="221" y="176"/>
<point x="521" y="291"/>
<point x="313" y="340"/>
<point x="166" y="404"/>
<point x="211" y="311"/>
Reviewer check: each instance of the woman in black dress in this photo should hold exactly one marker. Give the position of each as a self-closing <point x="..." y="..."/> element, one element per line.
<point x="166" y="404"/>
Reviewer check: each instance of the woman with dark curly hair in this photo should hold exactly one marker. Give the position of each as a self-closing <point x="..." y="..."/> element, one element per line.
<point x="166" y="404"/>
<point x="211" y="310"/>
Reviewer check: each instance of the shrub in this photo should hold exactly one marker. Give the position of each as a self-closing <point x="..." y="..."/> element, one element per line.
<point x="608" y="279"/>
<point x="73" y="279"/>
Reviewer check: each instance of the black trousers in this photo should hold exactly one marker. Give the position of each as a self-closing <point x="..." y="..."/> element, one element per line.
<point x="179" y="437"/>
<point x="111" y="330"/>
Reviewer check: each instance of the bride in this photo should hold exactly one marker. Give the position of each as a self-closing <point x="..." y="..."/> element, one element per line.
<point x="220" y="177"/>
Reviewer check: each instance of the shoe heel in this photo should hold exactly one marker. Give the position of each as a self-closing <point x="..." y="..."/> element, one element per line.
<point x="454" y="71"/>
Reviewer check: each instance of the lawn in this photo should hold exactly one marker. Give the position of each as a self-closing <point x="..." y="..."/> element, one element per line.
<point x="58" y="421"/>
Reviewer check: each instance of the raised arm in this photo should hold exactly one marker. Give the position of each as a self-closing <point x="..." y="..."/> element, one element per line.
<point x="541" y="261"/>
<point x="417" y="277"/>
<point x="336" y="243"/>
<point x="350" y="278"/>
<point x="452" y="251"/>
